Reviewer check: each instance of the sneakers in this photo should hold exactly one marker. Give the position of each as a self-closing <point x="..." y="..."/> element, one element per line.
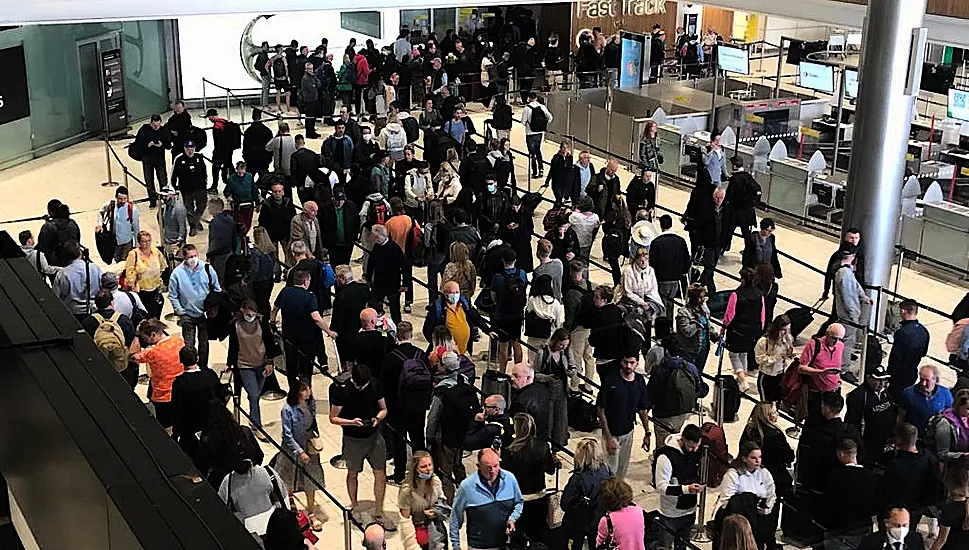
<point x="408" y="308"/>
<point x="395" y="480"/>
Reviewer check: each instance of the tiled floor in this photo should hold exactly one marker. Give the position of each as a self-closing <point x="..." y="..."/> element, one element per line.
<point x="74" y="175"/>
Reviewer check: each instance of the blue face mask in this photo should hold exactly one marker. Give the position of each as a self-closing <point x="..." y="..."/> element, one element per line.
<point x="453" y="298"/>
<point x="423" y="476"/>
<point x="492" y="188"/>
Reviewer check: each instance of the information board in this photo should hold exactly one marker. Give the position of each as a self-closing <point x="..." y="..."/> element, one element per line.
<point x="851" y="83"/>
<point x="959" y="104"/>
<point x="14" y="100"/>
<point x="113" y="93"/>
<point x="733" y="60"/>
<point x="631" y="48"/>
<point x="816" y="77"/>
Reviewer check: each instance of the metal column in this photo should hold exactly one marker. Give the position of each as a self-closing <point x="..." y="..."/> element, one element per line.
<point x="891" y="68"/>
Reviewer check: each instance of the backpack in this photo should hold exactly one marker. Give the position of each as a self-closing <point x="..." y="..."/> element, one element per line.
<point x="231" y="135"/>
<point x="931" y="427"/>
<point x="109" y="338"/>
<point x="137" y="315"/>
<point x="460" y="405"/>
<point x="466" y="368"/>
<point x="551" y="220"/>
<point x="536" y="326"/>
<point x="351" y="73"/>
<point x="612" y="244"/>
<point x="415" y="374"/>
<point x="539" y="120"/>
<point x="713" y="438"/>
<point x="516" y="291"/>
<point x="396" y="141"/>
<point x="792" y="383"/>
<point x="198" y="136"/>
<point x="680" y="395"/>
<point x="581" y="415"/>
<point x="378" y="213"/>
<point x="279" y="68"/>
<point x="411" y="129"/>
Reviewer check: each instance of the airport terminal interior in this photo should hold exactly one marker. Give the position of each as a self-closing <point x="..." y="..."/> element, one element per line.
<point x="776" y="145"/>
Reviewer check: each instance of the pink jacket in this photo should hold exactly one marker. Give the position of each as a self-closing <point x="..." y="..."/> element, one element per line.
<point x="628" y="527"/>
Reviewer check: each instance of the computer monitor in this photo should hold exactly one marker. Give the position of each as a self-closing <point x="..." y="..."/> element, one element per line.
<point x="816" y="77"/>
<point x="836" y="43"/>
<point x="854" y="40"/>
<point x="733" y="60"/>
<point x="851" y="83"/>
<point x="959" y="104"/>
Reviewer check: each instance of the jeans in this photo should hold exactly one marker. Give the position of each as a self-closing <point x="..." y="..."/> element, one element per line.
<point x="192" y="326"/>
<point x="619" y="462"/>
<point x="534" y="144"/>
<point x="195" y="207"/>
<point x="710" y="258"/>
<point x="672" y="533"/>
<point x="435" y="267"/>
<point x="151" y="167"/>
<point x="252" y="380"/>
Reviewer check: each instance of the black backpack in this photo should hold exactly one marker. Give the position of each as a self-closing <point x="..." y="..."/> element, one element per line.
<point x="680" y="395"/>
<point x="539" y="120"/>
<point x="516" y="291"/>
<point x="612" y="245"/>
<point x="460" y="405"/>
<point x="279" y="68"/>
<point x="232" y="135"/>
<point x="412" y="129"/>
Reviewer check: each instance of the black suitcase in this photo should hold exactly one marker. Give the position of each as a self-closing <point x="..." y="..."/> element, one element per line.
<point x="582" y="413"/>
<point x="717" y="302"/>
<point x="797" y="521"/>
<point x="496" y="383"/>
<point x="801" y="318"/>
<point x="731" y="398"/>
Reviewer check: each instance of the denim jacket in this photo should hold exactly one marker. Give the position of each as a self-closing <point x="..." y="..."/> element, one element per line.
<point x="298" y="426"/>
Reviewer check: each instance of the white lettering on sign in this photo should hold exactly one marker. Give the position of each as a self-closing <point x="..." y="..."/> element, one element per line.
<point x="1" y="102"/>
<point x="595" y="9"/>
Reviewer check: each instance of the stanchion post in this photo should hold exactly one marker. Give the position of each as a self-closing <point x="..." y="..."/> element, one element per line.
<point x="347" y="533"/>
<point x="699" y="529"/>
<point x="898" y="270"/>
<point x="107" y="160"/>
<point x="228" y="106"/>
<point x="205" y="102"/>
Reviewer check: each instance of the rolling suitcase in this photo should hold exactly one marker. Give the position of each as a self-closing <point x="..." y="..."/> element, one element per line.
<point x="800" y="318"/>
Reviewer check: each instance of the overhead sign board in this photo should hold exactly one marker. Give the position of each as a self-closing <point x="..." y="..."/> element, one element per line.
<point x="14" y="99"/>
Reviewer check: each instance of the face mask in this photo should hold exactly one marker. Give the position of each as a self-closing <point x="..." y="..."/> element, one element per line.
<point x="423" y="476"/>
<point x="453" y="298"/>
<point x="193" y="262"/>
<point x="898" y="533"/>
<point x="492" y="188"/>
<point x="367" y="137"/>
<point x="249" y="318"/>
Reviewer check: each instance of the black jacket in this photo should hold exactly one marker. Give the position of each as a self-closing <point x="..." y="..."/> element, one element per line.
<point x="529" y="462"/>
<point x="534" y="399"/>
<point x="491" y="210"/>
<point x="501" y="118"/>
<point x="874" y="418"/>
<point x="911" y="480"/>
<point x="347" y="305"/>
<point x="776" y="456"/>
<point x="711" y="226"/>
<point x="878" y="541"/>
<point x="746" y="328"/>
<point x="817" y="455"/>
<point x="53" y="235"/>
<point x="749" y="255"/>
<point x="385" y="270"/>
<point x="351" y="224"/>
<point x="560" y="175"/>
<point x="562" y="245"/>
<point x="303" y="162"/>
<point x="179" y="125"/>
<point x="146" y="135"/>
<point x="390" y="371"/>
<point x="606" y="335"/>
<point x="852" y="497"/>
<point x="191" y="393"/>
<point x="743" y="194"/>
<point x="640" y="195"/>
<point x="669" y="257"/>
<point x="254" y="141"/>
<point x="277" y="218"/>
<point x="910" y="346"/>
<point x="188" y="173"/>
<point x="482" y="434"/>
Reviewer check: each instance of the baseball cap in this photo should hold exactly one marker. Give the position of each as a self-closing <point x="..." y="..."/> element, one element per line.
<point x="189" y="143"/>
<point x="879" y="372"/>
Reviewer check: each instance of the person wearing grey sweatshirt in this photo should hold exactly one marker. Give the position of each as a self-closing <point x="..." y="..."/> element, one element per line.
<point x="851" y="305"/>
<point x="251" y="490"/>
<point x="172" y="219"/>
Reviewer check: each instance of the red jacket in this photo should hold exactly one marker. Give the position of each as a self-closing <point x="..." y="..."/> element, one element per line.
<point x="363" y="69"/>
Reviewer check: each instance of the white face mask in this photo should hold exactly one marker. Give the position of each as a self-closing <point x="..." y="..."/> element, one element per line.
<point x="898" y="533"/>
<point x="249" y="318"/>
<point x="192" y="262"/>
<point x="367" y="137"/>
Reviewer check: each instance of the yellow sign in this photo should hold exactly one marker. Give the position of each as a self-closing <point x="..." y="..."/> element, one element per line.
<point x="595" y="9"/>
<point x="964" y="171"/>
<point x="909" y="156"/>
<point x="682" y="99"/>
<point x="810" y="132"/>
<point x="754" y="119"/>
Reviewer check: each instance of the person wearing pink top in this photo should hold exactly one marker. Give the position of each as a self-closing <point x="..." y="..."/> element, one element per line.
<point x="624" y="523"/>
<point x="823" y="365"/>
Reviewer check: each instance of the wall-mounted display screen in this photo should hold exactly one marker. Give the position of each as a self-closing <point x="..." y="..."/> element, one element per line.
<point x="959" y="104"/>
<point x="734" y="60"/>
<point x="816" y="77"/>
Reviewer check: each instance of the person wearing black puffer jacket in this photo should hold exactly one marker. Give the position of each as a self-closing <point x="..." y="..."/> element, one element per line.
<point x="501" y="117"/>
<point x="744" y="320"/>
<point x="606" y="334"/>
<point x="580" y="498"/>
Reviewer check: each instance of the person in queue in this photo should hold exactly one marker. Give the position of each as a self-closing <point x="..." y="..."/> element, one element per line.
<point x="492" y="501"/>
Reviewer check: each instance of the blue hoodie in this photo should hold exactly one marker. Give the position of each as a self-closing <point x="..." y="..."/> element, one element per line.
<point x="188" y="288"/>
<point x="488" y="512"/>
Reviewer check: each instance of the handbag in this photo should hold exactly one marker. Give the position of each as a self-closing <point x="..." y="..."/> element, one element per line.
<point x="555" y="511"/>
<point x="314" y="446"/>
<point x="537" y="327"/>
<point x="609" y="543"/>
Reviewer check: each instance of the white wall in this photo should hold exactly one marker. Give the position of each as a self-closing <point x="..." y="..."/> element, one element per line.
<point x="777" y="26"/>
<point x="209" y="45"/>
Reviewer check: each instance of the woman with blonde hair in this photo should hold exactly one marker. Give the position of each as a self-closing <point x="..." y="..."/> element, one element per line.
<point x="737" y="534"/>
<point x="447" y="184"/>
<point x="954" y="519"/>
<point x="460" y="270"/>
<point x="422" y="506"/>
<point x="530" y="458"/>
<point x="580" y="497"/>
<point x="143" y="274"/>
<point x="776" y="453"/>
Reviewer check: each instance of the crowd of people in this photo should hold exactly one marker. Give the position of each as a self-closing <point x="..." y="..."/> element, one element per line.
<point x="451" y="204"/>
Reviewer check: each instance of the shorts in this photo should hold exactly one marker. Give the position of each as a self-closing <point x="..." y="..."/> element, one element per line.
<point x="164" y="413"/>
<point x="281" y="85"/>
<point x="372" y="448"/>
<point x="508" y="330"/>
